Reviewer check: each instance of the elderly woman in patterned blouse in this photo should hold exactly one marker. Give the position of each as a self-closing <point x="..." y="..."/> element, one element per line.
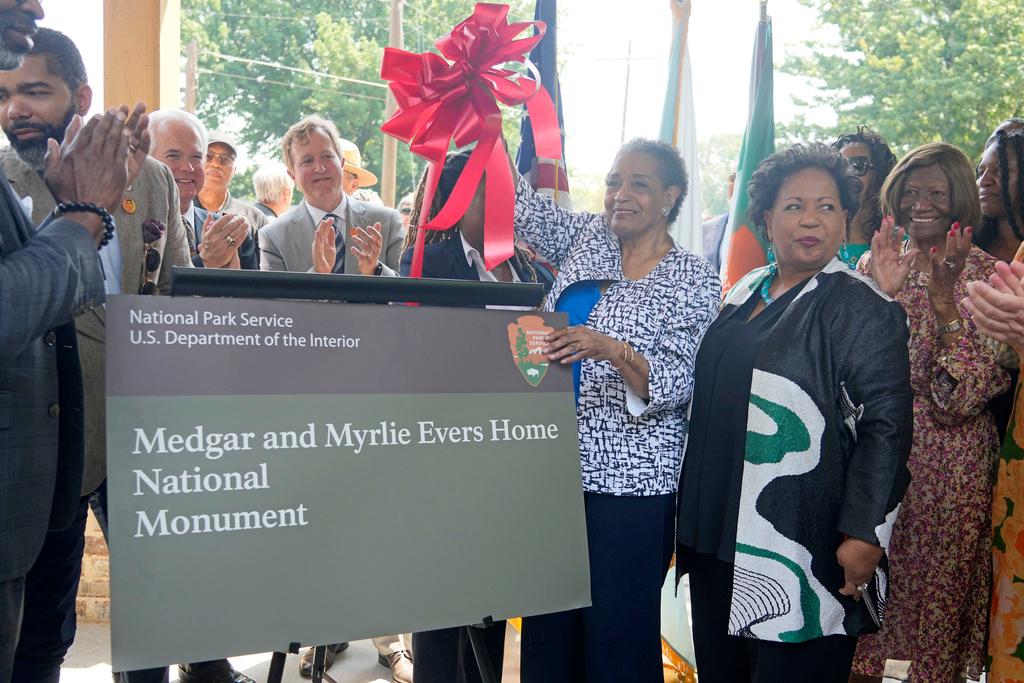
<point x="941" y="550"/>
<point x="638" y="305"/>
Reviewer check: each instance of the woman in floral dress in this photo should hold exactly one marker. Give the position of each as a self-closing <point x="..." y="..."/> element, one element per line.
<point x="940" y="552"/>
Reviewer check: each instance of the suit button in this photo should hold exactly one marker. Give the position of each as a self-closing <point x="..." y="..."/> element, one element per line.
<point x="54" y="410"/>
<point x="51" y="338"/>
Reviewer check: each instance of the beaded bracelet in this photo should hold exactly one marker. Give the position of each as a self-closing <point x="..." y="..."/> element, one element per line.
<point x="73" y="207"/>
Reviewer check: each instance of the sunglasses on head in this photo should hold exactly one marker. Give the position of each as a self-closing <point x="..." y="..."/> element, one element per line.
<point x="152" y="265"/>
<point x="860" y="165"/>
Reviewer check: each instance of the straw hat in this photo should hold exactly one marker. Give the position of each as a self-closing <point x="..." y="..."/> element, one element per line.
<point x="354" y="163"/>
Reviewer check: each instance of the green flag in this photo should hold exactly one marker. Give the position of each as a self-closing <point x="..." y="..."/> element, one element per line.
<point x="744" y="249"/>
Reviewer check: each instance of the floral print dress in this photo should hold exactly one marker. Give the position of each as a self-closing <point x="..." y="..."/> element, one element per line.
<point x="1006" y="621"/>
<point x="940" y="554"/>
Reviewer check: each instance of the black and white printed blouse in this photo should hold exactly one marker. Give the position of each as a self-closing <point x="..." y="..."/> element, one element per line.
<point x="628" y="446"/>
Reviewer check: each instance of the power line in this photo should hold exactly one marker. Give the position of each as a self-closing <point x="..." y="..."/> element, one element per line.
<point x="268" y="81"/>
<point x="307" y="72"/>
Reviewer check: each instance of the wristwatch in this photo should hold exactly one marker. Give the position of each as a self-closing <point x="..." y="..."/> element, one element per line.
<point x="379" y="269"/>
<point x="952" y="326"/>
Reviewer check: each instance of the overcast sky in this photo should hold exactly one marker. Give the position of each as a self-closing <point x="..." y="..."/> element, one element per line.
<point x="596" y="35"/>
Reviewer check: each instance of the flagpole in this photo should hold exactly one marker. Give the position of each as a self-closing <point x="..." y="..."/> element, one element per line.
<point x="764" y="11"/>
<point x="625" y="95"/>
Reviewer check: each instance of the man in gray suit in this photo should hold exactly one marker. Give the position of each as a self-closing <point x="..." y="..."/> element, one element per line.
<point x="353" y="237"/>
<point x="36" y="103"/>
<point x="329" y="232"/>
<point x="47" y="275"/>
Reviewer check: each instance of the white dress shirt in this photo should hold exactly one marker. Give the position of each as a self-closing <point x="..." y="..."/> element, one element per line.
<point x="475" y="260"/>
<point x="339" y="211"/>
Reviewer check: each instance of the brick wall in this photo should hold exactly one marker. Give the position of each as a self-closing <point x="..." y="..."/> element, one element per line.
<point x="93" y="604"/>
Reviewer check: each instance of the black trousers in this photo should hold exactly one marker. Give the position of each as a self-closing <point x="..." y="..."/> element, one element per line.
<point x="12" y="598"/>
<point x="51" y="586"/>
<point x="722" y="658"/>
<point x="446" y="656"/>
<point x="618" y="638"/>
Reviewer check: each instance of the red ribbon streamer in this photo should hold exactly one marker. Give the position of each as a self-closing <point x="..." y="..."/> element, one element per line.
<point x="454" y="98"/>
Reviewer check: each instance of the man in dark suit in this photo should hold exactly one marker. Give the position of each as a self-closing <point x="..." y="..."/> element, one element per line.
<point x="215" y="240"/>
<point x="714" y="229"/>
<point x="36" y="103"/>
<point x="47" y="275"/>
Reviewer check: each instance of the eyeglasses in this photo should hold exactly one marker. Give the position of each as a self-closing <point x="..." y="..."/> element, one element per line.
<point x="860" y="165"/>
<point x="221" y="159"/>
<point x="152" y="265"/>
<point x="405" y="210"/>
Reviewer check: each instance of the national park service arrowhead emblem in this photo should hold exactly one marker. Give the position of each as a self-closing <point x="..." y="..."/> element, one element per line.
<point x="526" y="341"/>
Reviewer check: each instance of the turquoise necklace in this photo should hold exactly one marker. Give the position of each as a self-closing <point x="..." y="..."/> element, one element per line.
<point x="767" y="283"/>
<point x="847" y="257"/>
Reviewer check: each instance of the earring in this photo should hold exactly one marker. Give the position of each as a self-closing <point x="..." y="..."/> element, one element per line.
<point x="771" y="253"/>
<point x="665" y="210"/>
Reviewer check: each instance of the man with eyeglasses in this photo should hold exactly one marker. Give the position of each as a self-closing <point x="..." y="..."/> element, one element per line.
<point x="37" y="101"/>
<point x="219" y="167"/>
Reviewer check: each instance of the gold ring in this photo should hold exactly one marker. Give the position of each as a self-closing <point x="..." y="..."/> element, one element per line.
<point x="230" y="240"/>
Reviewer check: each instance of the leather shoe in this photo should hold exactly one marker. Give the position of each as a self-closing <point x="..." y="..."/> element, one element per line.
<point x="306" y="660"/>
<point x="217" y="671"/>
<point x="400" y="663"/>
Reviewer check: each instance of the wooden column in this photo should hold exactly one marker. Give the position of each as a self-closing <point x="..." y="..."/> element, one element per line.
<point x="141" y="46"/>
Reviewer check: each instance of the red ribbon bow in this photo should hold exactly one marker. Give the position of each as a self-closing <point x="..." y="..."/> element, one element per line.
<point x="454" y="97"/>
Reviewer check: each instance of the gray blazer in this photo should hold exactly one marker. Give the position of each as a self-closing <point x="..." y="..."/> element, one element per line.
<point x="287" y="242"/>
<point x="46" y="277"/>
<point x="155" y="196"/>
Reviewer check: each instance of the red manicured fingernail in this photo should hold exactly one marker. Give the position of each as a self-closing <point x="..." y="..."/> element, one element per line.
<point x="935" y="250"/>
<point x="956" y="225"/>
<point x="969" y="230"/>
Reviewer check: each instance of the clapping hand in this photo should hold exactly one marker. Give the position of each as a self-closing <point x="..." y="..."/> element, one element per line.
<point x="91" y="165"/>
<point x="366" y="245"/>
<point x="325" y="250"/>
<point x="139" y="143"/>
<point x="221" y="241"/>
<point x="946" y="270"/>
<point x="890" y="265"/>
<point x="998" y="308"/>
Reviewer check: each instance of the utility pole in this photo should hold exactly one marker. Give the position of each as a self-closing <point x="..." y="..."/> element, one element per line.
<point x="191" y="77"/>
<point x="390" y="157"/>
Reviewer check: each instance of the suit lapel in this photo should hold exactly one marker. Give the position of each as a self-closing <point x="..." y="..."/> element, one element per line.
<point x="463" y="271"/>
<point x="24" y="182"/>
<point x="129" y="236"/>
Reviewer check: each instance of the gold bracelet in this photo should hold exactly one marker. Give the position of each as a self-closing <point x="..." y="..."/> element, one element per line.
<point x="952" y="326"/>
<point x="625" y="348"/>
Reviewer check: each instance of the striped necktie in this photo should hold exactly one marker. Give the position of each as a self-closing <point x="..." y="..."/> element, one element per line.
<point x="190" y="236"/>
<point x="339" y="243"/>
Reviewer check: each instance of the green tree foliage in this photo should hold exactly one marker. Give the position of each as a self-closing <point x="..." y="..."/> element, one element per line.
<point x="323" y="42"/>
<point x="917" y="70"/>
<point x="718" y="156"/>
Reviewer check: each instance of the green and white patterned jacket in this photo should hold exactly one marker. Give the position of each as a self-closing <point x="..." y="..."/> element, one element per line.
<point x="828" y="436"/>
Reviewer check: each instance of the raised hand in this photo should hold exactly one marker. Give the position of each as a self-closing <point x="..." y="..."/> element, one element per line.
<point x="325" y="250"/>
<point x="946" y="269"/>
<point x="221" y="240"/>
<point x="998" y="308"/>
<point x="92" y="164"/>
<point x="138" y="145"/>
<point x="366" y="245"/>
<point x="890" y="265"/>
